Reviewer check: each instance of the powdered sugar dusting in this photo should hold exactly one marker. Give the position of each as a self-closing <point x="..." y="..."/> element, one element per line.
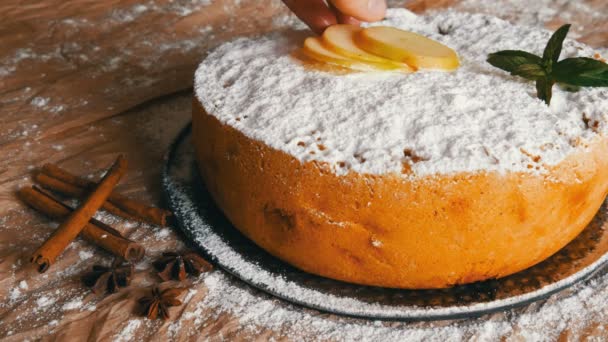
<point x="476" y="118"/>
<point x="532" y="13"/>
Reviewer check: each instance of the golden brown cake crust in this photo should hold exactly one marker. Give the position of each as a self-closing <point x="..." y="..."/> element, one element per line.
<point x="393" y="231"/>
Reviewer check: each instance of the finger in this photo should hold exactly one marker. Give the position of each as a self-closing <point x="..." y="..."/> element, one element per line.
<point x="343" y="18"/>
<point x="365" y="10"/>
<point x="314" y="13"/>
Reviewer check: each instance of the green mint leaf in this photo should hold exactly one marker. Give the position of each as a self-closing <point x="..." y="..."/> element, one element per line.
<point x="509" y="60"/>
<point x="529" y="71"/>
<point x="570" y="74"/>
<point x="554" y="46"/>
<point x="582" y="72"/>
<point x="544" y="89"/>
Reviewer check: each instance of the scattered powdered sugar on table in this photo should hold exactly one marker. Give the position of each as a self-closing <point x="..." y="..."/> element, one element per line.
<point x="45" y="301"/>
<point x="72" y="305"/>
<point x="23" y="285"/>
<point x="85" y="254"/>
<point x="127" y="333"/>
<point x="476" y="118"/>
<point x="541" y="321"/>
<point x="14" y="294"/>
<point x="40" y="101"/>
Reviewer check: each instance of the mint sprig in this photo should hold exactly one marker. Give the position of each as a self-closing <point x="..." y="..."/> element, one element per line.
<point x="548" y="69"/>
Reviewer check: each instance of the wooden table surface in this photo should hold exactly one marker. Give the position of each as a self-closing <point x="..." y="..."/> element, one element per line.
<point x="84" y="80"/>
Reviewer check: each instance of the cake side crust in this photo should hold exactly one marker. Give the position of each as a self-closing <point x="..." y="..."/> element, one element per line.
<point x="393" y="231"/>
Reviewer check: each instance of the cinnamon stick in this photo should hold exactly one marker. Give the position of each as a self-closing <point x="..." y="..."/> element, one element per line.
<point x="123" y="206"/>
<point x="95" y="231"/>
<point x="46" y="255"/>
<point x="70" y="190"/>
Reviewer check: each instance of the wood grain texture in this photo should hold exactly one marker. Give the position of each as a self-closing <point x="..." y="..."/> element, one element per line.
<point x="84" y="80"/>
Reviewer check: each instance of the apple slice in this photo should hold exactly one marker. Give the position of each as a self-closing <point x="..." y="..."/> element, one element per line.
<point x="314" y="48"/>
<point x="407" y="47"/>
<point x="340" y="39"/>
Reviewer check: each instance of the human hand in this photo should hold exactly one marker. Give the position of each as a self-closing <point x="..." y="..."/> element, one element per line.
<point x="318" y="14"/>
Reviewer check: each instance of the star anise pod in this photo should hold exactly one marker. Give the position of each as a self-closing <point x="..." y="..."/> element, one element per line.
<point x="104" y="279"/>
<point x="176" y="266"/>
<point x="157" y="303"/>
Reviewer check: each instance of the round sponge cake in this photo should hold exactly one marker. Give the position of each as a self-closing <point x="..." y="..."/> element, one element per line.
<point x="424" y="180"/>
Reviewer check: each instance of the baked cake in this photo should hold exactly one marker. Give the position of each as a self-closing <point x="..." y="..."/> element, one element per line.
<point x="407" y="180"/>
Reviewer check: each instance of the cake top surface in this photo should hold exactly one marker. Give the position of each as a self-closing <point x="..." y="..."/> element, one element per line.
<point x="476" y="118"/>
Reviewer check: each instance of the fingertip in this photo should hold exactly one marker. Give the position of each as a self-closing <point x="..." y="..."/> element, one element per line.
<point x="319" y="23"/>
<point x="365" y="10"/>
